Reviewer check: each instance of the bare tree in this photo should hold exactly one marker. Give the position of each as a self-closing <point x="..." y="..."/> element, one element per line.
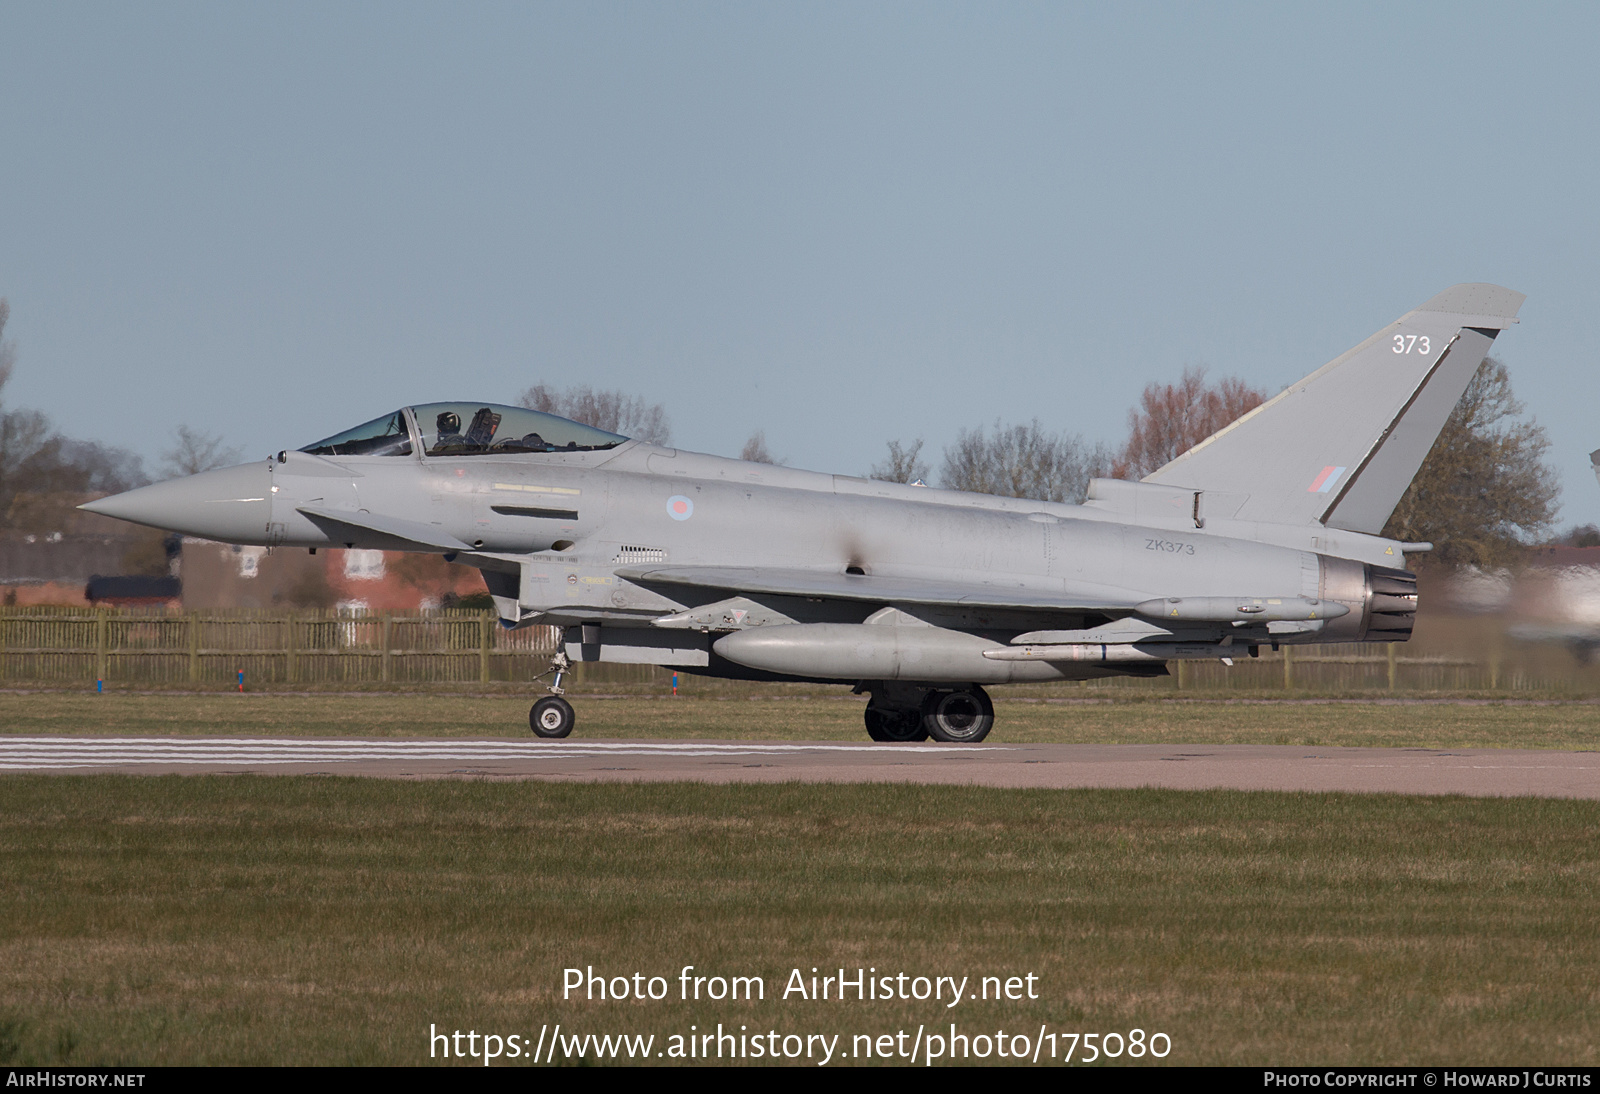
<point x="903" y="464"/>
<point x="1023" y="461"/>
<point x="26" y="440"/>
<point x="44" y="474"/>
<point x="37" y="460"/>
<point x="1484" y="488"/>
<point x="193" y="452"/>
<point x="1173" y="418"/>
<point x="755" y="449"/>
<point x="612" y="411"/>
<point x="1579" y="535"/>
<point x="95" y="468"/>
<point x="8" y="350"/>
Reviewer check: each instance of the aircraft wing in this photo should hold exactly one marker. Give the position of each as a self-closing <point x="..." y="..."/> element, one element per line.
<point x="832" y="585"/>
<point x="426" y="536"/>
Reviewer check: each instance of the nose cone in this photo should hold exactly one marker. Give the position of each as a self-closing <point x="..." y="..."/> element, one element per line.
<point x="233" y="504"/>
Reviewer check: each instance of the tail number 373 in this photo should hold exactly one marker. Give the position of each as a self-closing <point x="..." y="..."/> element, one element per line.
<point x="1407" y="343"/>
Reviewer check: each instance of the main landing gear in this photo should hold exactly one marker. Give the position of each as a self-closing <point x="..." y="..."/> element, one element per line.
<point x="898" y="712"/>
<point x="553" y="716"/>
<point x="958" y="717"/>
<point x="895" y="724"/>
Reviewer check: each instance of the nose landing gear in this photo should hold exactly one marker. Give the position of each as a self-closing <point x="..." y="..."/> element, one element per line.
<point x="553" y="716"/>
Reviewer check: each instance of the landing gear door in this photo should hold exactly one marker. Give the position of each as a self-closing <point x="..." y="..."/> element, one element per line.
<point x="503" y="589"/>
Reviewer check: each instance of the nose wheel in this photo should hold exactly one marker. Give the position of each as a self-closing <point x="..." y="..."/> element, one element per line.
<point x="551" y="716"/>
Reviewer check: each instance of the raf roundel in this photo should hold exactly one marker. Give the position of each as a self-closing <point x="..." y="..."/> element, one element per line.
<point x="680" y="507"/>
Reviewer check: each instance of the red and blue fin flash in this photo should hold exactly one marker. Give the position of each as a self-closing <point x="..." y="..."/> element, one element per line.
<point x="1324" y="482"/>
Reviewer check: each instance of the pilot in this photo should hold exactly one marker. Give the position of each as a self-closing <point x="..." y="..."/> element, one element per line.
<point x="449" y="428"/>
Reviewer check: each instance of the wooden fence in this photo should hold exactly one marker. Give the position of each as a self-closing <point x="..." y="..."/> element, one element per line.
<point x="1369" y="668"/>
<point x="78" y="645"/>
<point x="306" y="647"/>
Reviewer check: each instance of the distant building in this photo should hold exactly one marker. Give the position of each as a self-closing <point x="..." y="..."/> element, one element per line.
<point x="51" y="552"/>
<point x="50" y="549"/>
<point x="222" y="575"/>
<point x="134" y="591"/>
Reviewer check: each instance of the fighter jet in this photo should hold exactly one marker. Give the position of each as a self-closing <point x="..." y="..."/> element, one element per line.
<point x="1583" y="639"/>
<point x="1264" y="534"/>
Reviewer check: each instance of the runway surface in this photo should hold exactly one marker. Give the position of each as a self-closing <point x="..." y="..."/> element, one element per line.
<point x="1480" y="772"/>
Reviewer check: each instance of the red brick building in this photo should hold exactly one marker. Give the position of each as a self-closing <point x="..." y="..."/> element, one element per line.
<point x="221" y="575"/>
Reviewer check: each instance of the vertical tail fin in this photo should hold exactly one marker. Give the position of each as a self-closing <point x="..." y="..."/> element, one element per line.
<point x="1340" y="446"/>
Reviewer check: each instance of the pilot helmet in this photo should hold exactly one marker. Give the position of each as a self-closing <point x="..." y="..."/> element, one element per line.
<point x="449" y="422"/>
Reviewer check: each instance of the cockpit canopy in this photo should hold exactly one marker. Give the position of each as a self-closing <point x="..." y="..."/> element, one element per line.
<point x="465" y="429"/>
<point x="385" y="436"/>
<point x="470" y="429"/>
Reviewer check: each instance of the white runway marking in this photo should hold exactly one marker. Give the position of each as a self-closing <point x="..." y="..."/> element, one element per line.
<point x="1492" y="772"/>
<point x="54" y="753"/>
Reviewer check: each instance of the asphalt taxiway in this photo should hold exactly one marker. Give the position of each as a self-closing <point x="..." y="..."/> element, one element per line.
<point x="1478" y="772"/>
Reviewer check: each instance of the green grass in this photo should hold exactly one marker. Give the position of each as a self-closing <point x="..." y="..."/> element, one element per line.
<point x="802" y="716"/>
<point x="316" y="920"/>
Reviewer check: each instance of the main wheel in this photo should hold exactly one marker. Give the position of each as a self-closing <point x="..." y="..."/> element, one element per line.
<point x="958" y="717"/>
<point x="551" y="716"/>
<point x="894" y="724"/>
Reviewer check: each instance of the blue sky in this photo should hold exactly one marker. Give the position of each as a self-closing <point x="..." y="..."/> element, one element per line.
<point x="842" y="224"/>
